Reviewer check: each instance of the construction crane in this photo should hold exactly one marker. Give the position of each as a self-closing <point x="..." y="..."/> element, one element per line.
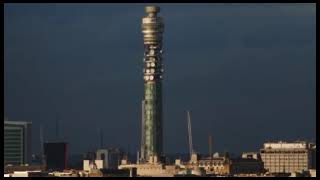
<point x="190" y="135"/>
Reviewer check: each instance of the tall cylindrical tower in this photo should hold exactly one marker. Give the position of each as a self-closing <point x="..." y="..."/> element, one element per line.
<point x="152" y="28"/>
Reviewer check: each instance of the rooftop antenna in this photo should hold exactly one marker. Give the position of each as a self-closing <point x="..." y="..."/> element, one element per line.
<point x="210" y="147"/>
<point x="41" y="145"/>
<point x="41" y="139"/>
<point x="101" y="138"/>
<point x="190" y="135"/>
<point x="128" y="152"/>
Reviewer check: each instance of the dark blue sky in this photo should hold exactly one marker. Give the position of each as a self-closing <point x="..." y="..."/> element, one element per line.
<point x="246" y="72"/>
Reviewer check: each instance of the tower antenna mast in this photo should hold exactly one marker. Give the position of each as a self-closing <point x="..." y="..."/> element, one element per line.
<point x="210" y="146"/>
<point x="190" y="135"/>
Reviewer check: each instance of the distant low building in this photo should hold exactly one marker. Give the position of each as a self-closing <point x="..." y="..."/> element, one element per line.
<point x="248" y="163"/>
<point x="92" y="164"/>
<point x="215" y="165"/>
<point x="246" y="166"/>
<point x="313" y="172"/>
<point x="284" y="157"/>
<point x="64" y="174"/>
<point x="25" y="171"/>
<point x="10" y="169"/>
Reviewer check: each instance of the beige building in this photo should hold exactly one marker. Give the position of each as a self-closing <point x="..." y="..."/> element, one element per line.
<point x="152" y="169"/>
<point x="89" y="165"/>
<point x="279" y="157"/>
<point x="215" y="165"/>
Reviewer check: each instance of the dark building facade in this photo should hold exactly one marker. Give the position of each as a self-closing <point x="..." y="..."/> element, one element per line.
<point x="246" y="166"/>
<point x="17" y="142"/>
<point x="56" y="155"/>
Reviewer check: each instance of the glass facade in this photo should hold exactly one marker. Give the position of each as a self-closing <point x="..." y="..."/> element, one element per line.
<point x="17" y="140"/>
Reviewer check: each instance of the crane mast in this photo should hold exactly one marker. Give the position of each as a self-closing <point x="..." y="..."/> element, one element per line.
<point x="190" y="134"/>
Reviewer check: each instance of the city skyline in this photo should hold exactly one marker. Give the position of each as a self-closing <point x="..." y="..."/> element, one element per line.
<point x="243" y="72"/>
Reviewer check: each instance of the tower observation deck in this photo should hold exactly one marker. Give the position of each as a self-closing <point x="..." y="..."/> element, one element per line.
<point x="151" y="137"/>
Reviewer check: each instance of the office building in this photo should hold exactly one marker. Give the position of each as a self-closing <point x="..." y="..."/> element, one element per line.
<point x="17" y="142"/>
<point x="56" y="155"/>
<point x="284" y="157"/>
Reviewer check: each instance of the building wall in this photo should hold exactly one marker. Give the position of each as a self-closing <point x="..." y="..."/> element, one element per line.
<point x="156" y="170"/>
<point x="313" y="158"/>
<point x="285" y="157"/>
<point x="246" y="166"/>
<point x="20" y="174"/>
<point x="313" y="173"/>
<point x="86" y="164"/>
<point x="17" y="142"/>
<point x="216" y="166"/>
<point x="56" y="155"/>
<point x="111" y="157"/>
<point x="102" y="154"/>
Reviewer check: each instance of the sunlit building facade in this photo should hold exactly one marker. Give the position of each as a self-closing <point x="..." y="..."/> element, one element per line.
<point x="283" y="157"/>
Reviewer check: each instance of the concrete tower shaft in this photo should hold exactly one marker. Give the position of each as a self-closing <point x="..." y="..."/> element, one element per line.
<point x="152" y="29"/>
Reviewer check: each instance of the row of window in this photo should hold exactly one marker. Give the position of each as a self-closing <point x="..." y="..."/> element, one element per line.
<point x="12" y="130"/>
<point x="286" y="169"/>
<point x="291" y="161"/>
<point x="291" y="164"/>
<point x="214" y="164"/>
<point x="12" y="140"/>
<point x="12" y="153"/>
<point x="12" y="133"/>
<point x="304" y="164"/>
<point x="12" y="149"/>
<point x="285" y="152"/>
<point x="283" y="158"/>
